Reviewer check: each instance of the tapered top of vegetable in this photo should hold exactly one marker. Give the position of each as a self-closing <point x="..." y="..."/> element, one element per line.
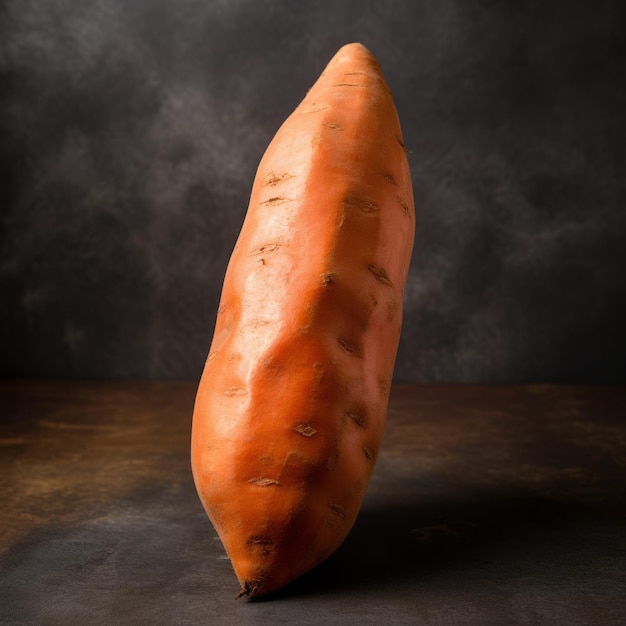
<point x="291" y="406"/>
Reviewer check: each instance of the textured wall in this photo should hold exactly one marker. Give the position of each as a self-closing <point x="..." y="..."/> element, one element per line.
<point x="130" y="134"/>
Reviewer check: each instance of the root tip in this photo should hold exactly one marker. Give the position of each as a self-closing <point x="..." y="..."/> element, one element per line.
<point x="249" y="589"/>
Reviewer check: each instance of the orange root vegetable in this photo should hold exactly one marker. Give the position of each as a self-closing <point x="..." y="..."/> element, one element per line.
<point x="292" y="402"/>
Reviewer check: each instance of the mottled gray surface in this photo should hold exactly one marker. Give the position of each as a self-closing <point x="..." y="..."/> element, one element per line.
<point x="130" y="134"/>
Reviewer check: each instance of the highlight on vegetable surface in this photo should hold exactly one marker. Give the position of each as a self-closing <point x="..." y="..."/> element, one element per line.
<point x="291" y="405"/>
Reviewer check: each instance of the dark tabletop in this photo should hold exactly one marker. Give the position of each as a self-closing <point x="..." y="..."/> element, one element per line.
<point x="488" y="505"/>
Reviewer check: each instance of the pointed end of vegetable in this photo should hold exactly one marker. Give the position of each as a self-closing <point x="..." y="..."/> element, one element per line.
<point x="250" y="589"/>
<point x="354" y="52"/>
<point x="354" y="48"/>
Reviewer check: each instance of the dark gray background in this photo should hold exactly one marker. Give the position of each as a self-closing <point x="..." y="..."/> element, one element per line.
<point x="131" y="131"/>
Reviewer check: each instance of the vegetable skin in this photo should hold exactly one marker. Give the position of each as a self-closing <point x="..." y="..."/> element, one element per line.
<point x="291" y="406"/>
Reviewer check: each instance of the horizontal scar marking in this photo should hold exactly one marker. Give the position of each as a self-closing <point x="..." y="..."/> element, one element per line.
<point x="314" y="109"/>
<point x="235" y="391"/>
<point x="276" y="200"/>
<point x="346" y="85"/>
<point x="363" y="204"/>
<point x="273" y="179"/>
<point x="261" y="481"/>
<point x="268" y="247"/>
<point x="388" y="177"/>
<point x="264" y="544"/>
<point x="256" y="539"/>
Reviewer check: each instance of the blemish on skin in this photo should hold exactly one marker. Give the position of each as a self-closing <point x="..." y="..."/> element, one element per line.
<point x="389" y="178"/>
<point x="337" y="510"/>
<point x="276" y="200"/>
<point x="314" y="108"/>
<point x="305" y="430"/>
<point x="363" y="204"/>
<point x="334" y="126"/>
<point x="402" y="202"/>
<point x="211" y="356"/>
<point x="346" y="85"/>
<point x="262" y="481"/>
<point x="235" y="391"/>
<point x="221" y="309"/>
<point x="354" y="74"/>
<point x="265" y="249"/>
<point x="319" y="372"/>
<point x="273" y="179"/>
<point x="380" y="274"/>
<point x="264" y="545"/>
<point x="328" y="278"/>
<point x="402" y="144"/>
<point x="369" y="454"/>
<point x="256" y="539"/>
<point x="348" y="347"/>
<point x="356" y="418"/>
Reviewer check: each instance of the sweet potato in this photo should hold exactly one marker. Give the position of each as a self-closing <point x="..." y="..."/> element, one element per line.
<point x="291" y="405"/>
